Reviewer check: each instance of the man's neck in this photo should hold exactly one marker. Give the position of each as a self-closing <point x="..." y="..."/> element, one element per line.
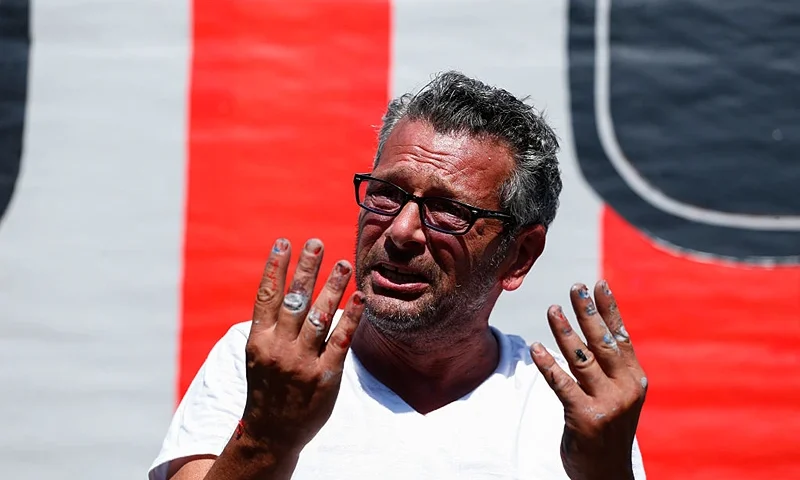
<point x="430" y="374"/>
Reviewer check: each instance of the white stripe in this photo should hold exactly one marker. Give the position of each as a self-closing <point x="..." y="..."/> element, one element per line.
<point x="90" y="249"/>
<point x="628" y="172"/>
<point x="521" y="46"/>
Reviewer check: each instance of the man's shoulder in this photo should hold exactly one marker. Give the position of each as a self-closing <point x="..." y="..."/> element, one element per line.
<point x="513" y="345"/>
<point x="516" y="354"/>
<point x="236" y="335"/>
<point x="241" y="331"/>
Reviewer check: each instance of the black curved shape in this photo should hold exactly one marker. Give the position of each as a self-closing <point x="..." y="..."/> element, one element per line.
<point x="14" y="57"/>
<point x="705" y="103"/>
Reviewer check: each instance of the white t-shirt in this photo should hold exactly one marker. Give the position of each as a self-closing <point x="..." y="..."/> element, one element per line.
<point x="509" y="427"/>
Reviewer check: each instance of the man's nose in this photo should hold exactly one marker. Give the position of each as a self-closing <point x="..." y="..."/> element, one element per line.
<point x="406" y="228"/>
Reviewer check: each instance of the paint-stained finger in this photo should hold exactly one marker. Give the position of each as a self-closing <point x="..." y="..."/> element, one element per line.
<point x="270" y="290"/>
<point x="598" y="336"/>
<point x="318" y="321"/>
<point x="335" y="350"/>
<point x="609" y="310"/>
<point x="297" y="300"/>
<point x="582" y="362"/>
<point x="607" y="306"/>
<point x="565" y="388"/>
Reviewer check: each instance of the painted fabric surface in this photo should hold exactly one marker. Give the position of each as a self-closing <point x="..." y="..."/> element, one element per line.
<point x="151" y="152"/>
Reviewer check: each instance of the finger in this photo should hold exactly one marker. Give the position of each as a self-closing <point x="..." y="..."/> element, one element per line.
<point x="297" y="300"/>
<point x="565" y="388"/>
<point x="607" y="306"/>
<point x="598" y="337"/>
<point x="270" y="290"/>
<point x="582" y="362"/>
<point x="318" y="321"/>
<point x="337" y="346"/>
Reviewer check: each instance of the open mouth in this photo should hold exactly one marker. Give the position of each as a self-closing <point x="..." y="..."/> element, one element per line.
<point x="398" y="279"/>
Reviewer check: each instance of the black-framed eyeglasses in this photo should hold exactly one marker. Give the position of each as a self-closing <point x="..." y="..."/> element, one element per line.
<point x="437" y="213"/>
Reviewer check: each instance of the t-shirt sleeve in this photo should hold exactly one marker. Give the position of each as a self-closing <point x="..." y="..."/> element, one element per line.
<point x="212" y="406"/>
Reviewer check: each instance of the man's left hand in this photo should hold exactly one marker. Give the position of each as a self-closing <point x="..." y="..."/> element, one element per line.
<point x="602" y="407"/>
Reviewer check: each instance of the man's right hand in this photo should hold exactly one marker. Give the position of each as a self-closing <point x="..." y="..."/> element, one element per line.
<point x="293" y="372"/>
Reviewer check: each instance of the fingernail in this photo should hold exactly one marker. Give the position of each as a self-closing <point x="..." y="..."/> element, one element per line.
<point x="537" y="348"/>
<point x="583" y="292"/>
<point x="358" y="299"/>
<point x="281" y="245"/>
<point x="567" y="328"/>
<point x="313" y="246"/>
<point x="606" y="288"/>
<point x="342" y="268"/>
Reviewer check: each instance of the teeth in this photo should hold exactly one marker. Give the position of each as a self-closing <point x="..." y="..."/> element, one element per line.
<point x="392" y="268"/>
<point x="398" y="277"/>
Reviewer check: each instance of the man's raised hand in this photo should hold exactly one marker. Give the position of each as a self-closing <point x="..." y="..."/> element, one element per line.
<point x="293" y="369"/>
<point x="602" y="408"/>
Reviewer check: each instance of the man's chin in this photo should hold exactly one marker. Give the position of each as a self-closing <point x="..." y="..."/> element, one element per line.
<point x="390" y="306"/>
<point x="401" y="313"/>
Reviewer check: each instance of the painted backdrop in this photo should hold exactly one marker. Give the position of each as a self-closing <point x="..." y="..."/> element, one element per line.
<point x="150" y="153"/>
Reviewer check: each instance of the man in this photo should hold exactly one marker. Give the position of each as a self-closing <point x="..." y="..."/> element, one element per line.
<point x="464" y="186"/>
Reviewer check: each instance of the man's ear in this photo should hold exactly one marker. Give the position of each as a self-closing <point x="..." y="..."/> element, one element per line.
<point x="527" y="248"/>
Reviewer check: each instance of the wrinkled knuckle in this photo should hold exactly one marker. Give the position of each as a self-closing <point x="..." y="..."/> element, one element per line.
<point x="562" y="382"/>
<point x="307" y="267"/>
<point x="622" y="339"/>
<point x="609" y="343"/>
<point x="593" y="422"/>
<point x="336" y="283"/>
<point x="611" y="350"/>
<point x="266" y="295"/>
<point x="326" y="376"/>
<point x="259" y="355"/>
<point x="642" y="385"/>
<point x="620" y="333"/>
<point x="329" y="293"/>
<point x="253" y="357"/>
<point x="642" y="390"/>
<point x="594" y="426"/>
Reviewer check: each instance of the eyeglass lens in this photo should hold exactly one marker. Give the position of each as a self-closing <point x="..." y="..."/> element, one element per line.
<point x="386" y="198"/>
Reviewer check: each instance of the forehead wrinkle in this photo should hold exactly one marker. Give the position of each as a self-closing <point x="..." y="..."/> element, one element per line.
<point x="436" y="182"/>
<point x="454" y="162"/>
<point x="419" y="154"/>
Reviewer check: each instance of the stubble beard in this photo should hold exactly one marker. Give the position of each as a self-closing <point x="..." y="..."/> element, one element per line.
<point x="443" y="311"/>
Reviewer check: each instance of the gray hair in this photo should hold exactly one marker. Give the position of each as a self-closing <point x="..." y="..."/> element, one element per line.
<point x="454" y="103"/>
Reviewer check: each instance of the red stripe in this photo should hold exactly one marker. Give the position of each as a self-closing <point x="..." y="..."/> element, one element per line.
<point x="720" y="347"/>
<point x="283" y="102"/>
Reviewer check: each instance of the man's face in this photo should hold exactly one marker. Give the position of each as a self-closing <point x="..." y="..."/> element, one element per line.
<point x="414" y="277"/>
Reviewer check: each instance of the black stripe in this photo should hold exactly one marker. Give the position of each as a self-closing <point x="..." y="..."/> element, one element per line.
<point x="705" y="109"/>
<point x="15" y="43"/>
